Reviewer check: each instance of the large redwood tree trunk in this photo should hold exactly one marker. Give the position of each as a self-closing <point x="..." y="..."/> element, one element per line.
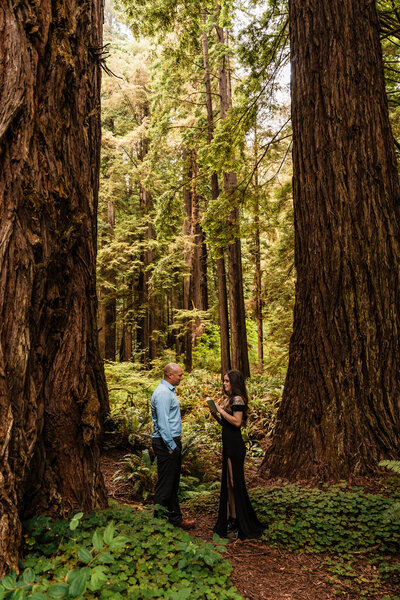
<point x="52" y="389"/>
<point x="340" y="411"/>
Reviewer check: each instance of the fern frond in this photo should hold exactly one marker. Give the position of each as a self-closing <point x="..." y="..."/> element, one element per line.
<point x="392" y="465"/>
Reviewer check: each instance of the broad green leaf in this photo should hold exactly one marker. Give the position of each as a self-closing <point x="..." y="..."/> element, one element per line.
<point x="72" y="575"/>
<point x="109" y="533"/>
<point x="38" y="596"/>
<point x="183" y="594"/>
<point x="119" y="542"/>
<point x="8" y="582"/>
<point x="58" y="590"/>
<point x="96" y="581"/>
<point x="97" y="541"/>
<point x="84" y="555"/>
<point x="28" y="575"/>
<point x="73" y="525"/>
<point x="105" y="557"/>
<point x="78" y="586"/>
<point x="182" y="563"/>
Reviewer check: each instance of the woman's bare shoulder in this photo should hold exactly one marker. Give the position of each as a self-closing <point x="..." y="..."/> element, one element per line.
<point x="238" y="400"/>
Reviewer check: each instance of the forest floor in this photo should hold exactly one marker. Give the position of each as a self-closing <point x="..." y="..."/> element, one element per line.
<point x="262" y="572"/>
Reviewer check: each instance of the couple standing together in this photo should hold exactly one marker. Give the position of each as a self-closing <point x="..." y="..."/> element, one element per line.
<point x="236" y="516"/>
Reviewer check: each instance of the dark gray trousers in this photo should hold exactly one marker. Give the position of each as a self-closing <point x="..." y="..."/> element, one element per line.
<point x="169" y="472"/>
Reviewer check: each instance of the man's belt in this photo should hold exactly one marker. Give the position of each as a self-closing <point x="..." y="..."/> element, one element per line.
<point x="177" y="438"/>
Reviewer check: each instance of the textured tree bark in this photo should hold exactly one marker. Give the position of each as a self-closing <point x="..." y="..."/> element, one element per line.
<point x="148" y="319"/>
<point x="239" y="352"/>
<point x="110" y="308"/>
<point x="187" y="283"/>
<point x="53" y="392"/>
<point x="237" y="313"/>
<point x="220" y="262"/>
<point x="101" y="320"/>
<point x="340" y="411"/>
<point x="195" y="284"/>
<point x="199" y="254"/>
<point x="258" y="308"/>
<point x="125" y="349"/>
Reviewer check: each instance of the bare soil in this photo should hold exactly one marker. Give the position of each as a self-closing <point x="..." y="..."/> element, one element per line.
<point x="261" y="572"/>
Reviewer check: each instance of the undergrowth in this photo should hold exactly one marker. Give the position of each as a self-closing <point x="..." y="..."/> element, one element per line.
<point x="357" y="534"/>
<point x="320" y="520"/>
<point x="141" y="557"/>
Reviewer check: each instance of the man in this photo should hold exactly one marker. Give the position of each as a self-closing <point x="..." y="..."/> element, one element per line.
<point x="167" y="445"/>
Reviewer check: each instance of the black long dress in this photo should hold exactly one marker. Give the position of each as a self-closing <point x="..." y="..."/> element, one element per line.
<point x="233" y="447"/>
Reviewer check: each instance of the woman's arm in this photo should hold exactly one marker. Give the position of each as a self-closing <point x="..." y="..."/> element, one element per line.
<point x="235" y="419"/>
<point x="216" y="417"/>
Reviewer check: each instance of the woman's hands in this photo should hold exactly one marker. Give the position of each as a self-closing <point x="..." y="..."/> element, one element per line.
<point x="235" y="419"/>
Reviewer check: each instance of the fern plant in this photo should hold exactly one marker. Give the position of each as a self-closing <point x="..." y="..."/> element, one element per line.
<point x="141" y="472"/>
<point x="392" y="465"/>
<point x="131" y="427"/>
<point x="393" y="511"/>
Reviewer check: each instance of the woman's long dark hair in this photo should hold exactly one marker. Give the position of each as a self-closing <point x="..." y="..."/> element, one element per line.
<point x="238" y="388"/>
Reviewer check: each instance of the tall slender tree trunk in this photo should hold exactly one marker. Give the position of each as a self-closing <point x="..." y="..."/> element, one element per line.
<point x="258" y="312"/>
<point x="340" y="411"/>
<point x="53" y="395"/>
<point x="199" y="254"/>
<point x="110" y="308"/>
<point x="188" y="280"/>
<point x="101" y="316"/>
<point x="239" y="350"/>
<point x="220" y="261"/>
<point x="149" y="311"/>
<point x="125" y="351"/>
<point x="107" y="312"/>
<point x="148" y="318"/>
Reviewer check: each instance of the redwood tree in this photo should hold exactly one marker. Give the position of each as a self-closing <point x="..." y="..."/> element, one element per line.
<point x="107" y="313"/>
<point x="220" y="261"/>
<point x="340" y="411"/>
<point x="237" y="313"/>
<point x="52" y="388"/>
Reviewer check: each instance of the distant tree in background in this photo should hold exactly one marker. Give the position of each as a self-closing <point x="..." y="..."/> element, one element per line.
<point x="194" y="97"/>
<point x="53" y="395"/>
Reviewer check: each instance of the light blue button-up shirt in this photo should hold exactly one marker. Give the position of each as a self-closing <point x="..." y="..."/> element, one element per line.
<point x="166" y="414"/>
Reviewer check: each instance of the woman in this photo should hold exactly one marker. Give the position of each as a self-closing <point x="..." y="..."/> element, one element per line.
<point x="236" y="516"/>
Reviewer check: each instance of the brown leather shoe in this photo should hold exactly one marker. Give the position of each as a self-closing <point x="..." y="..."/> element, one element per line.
<point x="187" y="523"/>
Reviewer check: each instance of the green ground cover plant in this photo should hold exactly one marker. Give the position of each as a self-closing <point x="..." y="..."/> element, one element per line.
<point x="318" y="520"/>
<point x="119" y="553"/>
<point x="331" y="519"/>
<point x="346" y="524"/>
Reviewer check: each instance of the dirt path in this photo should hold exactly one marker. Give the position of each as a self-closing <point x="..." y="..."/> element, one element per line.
<point x="264" y="573"/>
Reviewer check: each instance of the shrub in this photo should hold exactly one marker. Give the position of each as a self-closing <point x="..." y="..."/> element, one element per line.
<point x="140" y="557"/>
<point x="319" y="520"/>
<point x="140" y="472"/>
<point x="129" y="427"/>
<point x="316" y="520"/>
